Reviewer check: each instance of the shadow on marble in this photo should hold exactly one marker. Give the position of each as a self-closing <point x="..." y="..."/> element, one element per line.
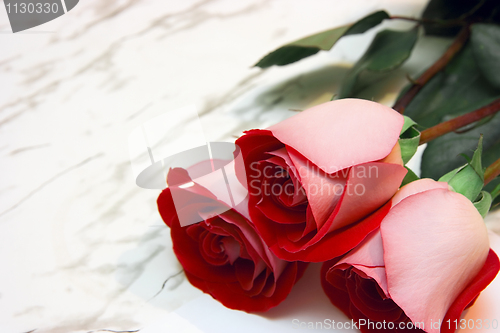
<point x="152" y="272"/>
<point x="273" y="102"/>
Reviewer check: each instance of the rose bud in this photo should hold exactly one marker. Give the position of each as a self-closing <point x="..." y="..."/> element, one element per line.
<point x="313" y="178"/>
<point x="429" y="260"/>
<point x="223" y="255"/>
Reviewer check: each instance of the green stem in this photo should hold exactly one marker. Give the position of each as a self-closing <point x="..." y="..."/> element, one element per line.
<point x="439" y="65"/>
<point x="492" y="172"/>
<point x="459" y="122"/>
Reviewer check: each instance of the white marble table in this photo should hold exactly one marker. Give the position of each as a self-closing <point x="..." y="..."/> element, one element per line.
<point x="82" y="248"/>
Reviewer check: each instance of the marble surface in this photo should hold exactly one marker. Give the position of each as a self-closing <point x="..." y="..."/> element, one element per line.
<point x="82" y="247"/>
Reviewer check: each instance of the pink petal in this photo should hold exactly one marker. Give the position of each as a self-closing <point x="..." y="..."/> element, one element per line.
<point x="231" y="248"/>
<point x="333" y="244"/>
<point x="248" y="232"/>
<point x="415" y="187"/>
<point x="323" y="190"/>
<point x="369" y="252"/>
<point x="369" y="186"/>
<point x="394" y="156"/>
<point x="342" y="133"/>
<point x="368" y="257"/>
<point x="435" y="242"/>
<point x="282" y="152"/>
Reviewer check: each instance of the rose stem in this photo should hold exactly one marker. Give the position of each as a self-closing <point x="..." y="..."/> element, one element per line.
<point x="458" y="122"/>
<point x="492" y="172"/>
<point x="454" y="48"/>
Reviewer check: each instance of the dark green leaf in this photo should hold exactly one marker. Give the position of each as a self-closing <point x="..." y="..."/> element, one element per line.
<point x="460" y="12"/>
<point x="410" y="177"/>
<point x="325" y="40"/>
<point x="484" y="203"/>
<point x="367" y="22"/>
<point x="485" y="39"/>
<point x="446" y="10"/>
<point x="493" y="187"/>
<point x="459" y="89"/>
<point x="388" y="50"/>
<point x="443" y="153"/>
<point x="496" y="191"/>
<point x="286" y="55"/>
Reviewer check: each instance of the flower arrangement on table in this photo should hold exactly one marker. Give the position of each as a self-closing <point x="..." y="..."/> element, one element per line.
<point x="330" y="185"/>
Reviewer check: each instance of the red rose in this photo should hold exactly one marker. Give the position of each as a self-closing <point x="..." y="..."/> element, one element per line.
<point x="313" y="178"/>
<point x="223" y="255"/>
<point x="429" y="260"/>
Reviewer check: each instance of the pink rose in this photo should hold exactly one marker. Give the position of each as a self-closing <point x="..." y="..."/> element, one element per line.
<point x="220" y="250"/>
<point x="429" y="260"/>
<point x="315" y="177"/>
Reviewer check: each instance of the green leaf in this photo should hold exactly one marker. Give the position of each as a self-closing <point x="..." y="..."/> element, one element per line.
<point x="410" y="177"/>
<point x="388" y="50"/>
<point x="443" y="153"/>
<point x="408" y="142"/>
<point x="469" y="179"/>
<point x="325" y="40"/>
<point x="286" y="55"/>
<point x="475" y="162"/>
<point x="457" y="90"/>
<point x="467" y="182"/>
<point x="485" y="40"/>
<point x="367" y="22"/>
<point x="407" y="124"/>
<point x="409" y="139"/>
<point x="483" y="204"/>
<point x="447" y="177"/>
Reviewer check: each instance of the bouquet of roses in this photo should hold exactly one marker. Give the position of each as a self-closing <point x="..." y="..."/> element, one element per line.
<point x="329" y="185"/>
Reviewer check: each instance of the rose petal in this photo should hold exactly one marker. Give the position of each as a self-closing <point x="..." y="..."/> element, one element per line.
<point x="327" y="135"/>
<point x="369" y="253"/>
<point x="394" y="157"/>
<point x="333" y="244"/>
<point x="415" y="187"/>
<point x="323" y="190"/>
<point x="365" y="296"/>
<point x="368" y="187"/>
<point x="276" y="211"/>
<point x="435" y="242"/>
<point x="334" y="284"/>
<point x="231" y="248"/>
<point x="233" y="297"/>
<point x="368" y="257"/>
<point x="487" y="306"/>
